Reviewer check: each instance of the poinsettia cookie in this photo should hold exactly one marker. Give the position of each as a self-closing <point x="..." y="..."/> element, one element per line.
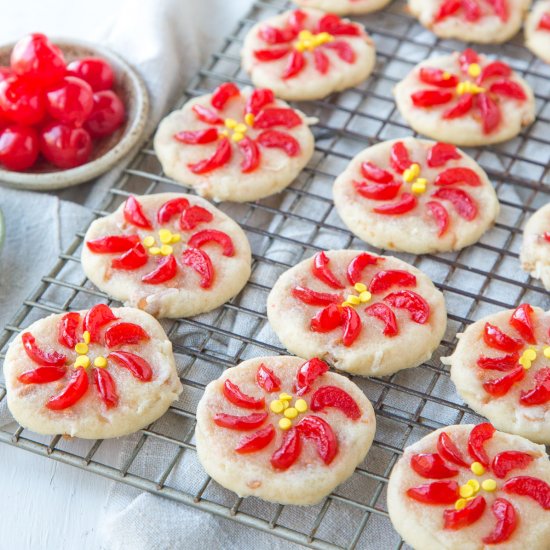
<point x="307" y="54"/>
<point x="235" y="145"/>
<point x="471" y="487"/>
<point x="535" y="249"/>
<point x="537" y="30"/>
<point x="93" y="374"/>
<point x="283" y="429"/>
<point x="344" y="7"/>
<point x="366" y="314"/>
<point x="415" y="195"/>
<point x="170" y="254"/>
<point x="465" y="99"/>
<point x="482" y="21"/>
<point x="501" y="368"/>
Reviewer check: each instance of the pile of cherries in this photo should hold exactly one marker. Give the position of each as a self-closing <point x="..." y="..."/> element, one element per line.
<point x="54" y="109"/>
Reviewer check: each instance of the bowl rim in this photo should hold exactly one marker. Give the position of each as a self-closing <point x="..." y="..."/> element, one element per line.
<point x="134" y="132"/>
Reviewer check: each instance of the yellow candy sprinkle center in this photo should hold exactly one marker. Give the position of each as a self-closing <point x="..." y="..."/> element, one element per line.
<point x="291" y="413"/>
<point x="237" y="130"/>
<point x="301" y="405"/>
<point x="82" y="361"/>
<point x="81" y="348"/>
<point x="86" y="337"/>
<point x="460" y="504"/>
<point x="285" y="397"/>
<point x="474" y="70"/>
<point x="466" y="491"/>
<point x="249" y="119"/>
<point x="277" y="406"/>
<point x="474" y="484"/>
<point x="148" y="241"/>
<point x="411" y="175"/>
<point x="100" y="362"/>
<point x="489" y="485"/>
<point x="283" y="407"/>
<point x="285" y="424"/>
<point x="166" y="238"/>
<point x="309" y="41"/>
<point x="477" y="468"/>
<point x="154" y="250"/>
<point x="546" y="352"/>
<point x="354" y="300"/>
<point x="467" y="87"/>
<point x="360" y="287"/>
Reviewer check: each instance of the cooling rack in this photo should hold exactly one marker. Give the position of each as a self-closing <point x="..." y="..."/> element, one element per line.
<point x="283" y="230"/>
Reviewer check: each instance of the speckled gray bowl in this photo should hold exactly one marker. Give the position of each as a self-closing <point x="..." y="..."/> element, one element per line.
<point x="107" y="151"/>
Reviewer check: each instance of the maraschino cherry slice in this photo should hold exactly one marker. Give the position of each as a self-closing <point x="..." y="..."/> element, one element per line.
<point x="432" y="466"/>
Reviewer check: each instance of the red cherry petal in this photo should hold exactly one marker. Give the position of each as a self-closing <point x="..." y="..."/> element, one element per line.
<point x="258" y="99"/>
<point x="343" y="50"/>
<point x="197" y="137"/>
<point x="438" y="77"/>
<point x="205" y="114"/>
<point x="307" y="374"/>
<point x="495" y="68"/>
<point x="241" y="423"/>
<point x="490" y="112"/>
<point x="132" y="259"/>
<point x="458" y="519"/>
<point x="378" y="191"/>
<point x="446" y="9"/>
<point x="375" y="173"/>
<point x="220" y="157"/>
<point x="314" y="298"/>
<point x="106" y="387"/>
<point x="166" y="270"/>
<point x="501" y="386"/>
<point x="503" y="463"/>
<point x="112" y="244"/>
<point x="544" y="23"/>
<point x="458" y="176"/>
<point x="200" y="261"/>
<point x="321" y="270"/>
<point x="501" y="9"/>
<point x="277" y="116"/>
<point x="441" y="153"/>
<point x="315" y="428"/>
<point x="73" y="392"/>
<point x="431" y="98"/>
<point x="466" y="58"/>
<point x="42" y="375"/>
<point x="271" y="54"/>
<point x="133" y="213"/>
<point x="124" y="334"/>
<point x="329" y="318"/>
<point x="476" y="441"/>
<point x="437" y="492"/>
<point x="382" y="312"/>
<point x="463" y="203"/>
<point x="295" y="65"/>
<point x="522" y="321"/>
<point x="352" y="326"/>
<point x="332" y="396"/>
<point x="472" y="11"/>
<point x="385" y="279"/>
<point x="272" y="35"/>
<point x="417" y="307"/>
<point x="462" y="107"/>
<point x="441" y="216"/>
<point x="257" y="441"/>
<point x="531" y="487"/>
<point x="170" y="209"/>
<point x="540" y="394"/>
<point x="193" y="216"/>
<point x="251" y="155"/>
<point x="321" y="61"/>
<point x="39" y="356"/>
<point x="503" y="363"/>
<point x="296" y="20"/>
<point x="507" y="88"/>
<point x="206" y="236"/>
<point x="405" y="204"/>
<point x="279" y="140"/>
<point x="399" y="157"/>
<point x="334" y="25"/>
<point x="449" y="451"/>
<point x="289" y="451"/>
<point x="267" y="379"/>
<point x="237" y="397"/>
<point x="138" y="367"/>
<point x="96" y="318"/>
<point x="67" y="331"/>
<point x="223" y="93"/>
<point x="432" y="466"/>
<point x="496" y="339"/>
<point x="358" y="265"/>
<point x="505" y="514"/>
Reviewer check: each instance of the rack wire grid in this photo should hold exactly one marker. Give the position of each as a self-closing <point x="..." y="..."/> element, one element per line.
<point x="476" y="281"/>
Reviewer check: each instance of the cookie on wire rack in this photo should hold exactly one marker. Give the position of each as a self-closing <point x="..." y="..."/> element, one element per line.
<point x="415" y="196"/>
<point x="344" y="7"/>
<point x="537" y="30"/>
<point x="283" y="429"/>
<point x="100" y="373"/>
<point x="170" y="254"/>
<point x="535" y="248"/>
<point x="501" y="368"/>
<point x="365" y="314"/>
<point x="470" y="486"/>
<point x="307" y="54"/>
<point x="465" y="99"/>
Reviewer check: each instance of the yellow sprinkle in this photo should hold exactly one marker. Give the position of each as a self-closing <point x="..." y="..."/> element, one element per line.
<point x="86" y="336"/>
<point x="285" y="396"/>
<point x="81" y="348"/>
<point x="230" y="123"/>
<point x="165" y="236"/>
<point x="166" y="249"/>
<point x="304" y="35"/>
<point x="466" y="491"/>
<point x="355" y="300"/>
<point x="286" y="404"/>
<point x="241" y="128"/>
<point x="237" y="136"/>
<point x="249" y="119"/>
<point x="224" y="133"/>
<point x="411" y="173"/>
<point x="175" y="238"/>
<point x="291" y="413"/>
<point x="360" y="287"/>
<point x="446" y="75"/>
<point x="418" y="187"/>
<point x="276" y="406"/>
<point x="477" y="468"/>
<point x="299" y="47"/>
<point x="346" y="304"/>
<point x="148" y="241"/>
<point x="325" y="37"/>
<point x="460" y="504"/>
<point x="365" y="296"/>
<point x="82" y="361"/>
<point x="285" y="423"/>
<point x="308" y="44"/>
<point x="474" y="70"/>
<point x="300" y="405"/>
<point x="100" y="362"/>
<point x="525" y="363"/>
<point x="530" y="354"/>
<point x="546" y="352"/>
<point x="474" y="484"/>
<point x="154" y="250"/>
<point x="489" y="485"/>
<point x="461" y="88"/>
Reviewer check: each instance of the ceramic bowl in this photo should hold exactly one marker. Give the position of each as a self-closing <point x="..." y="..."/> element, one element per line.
<point x="107" y="151"/>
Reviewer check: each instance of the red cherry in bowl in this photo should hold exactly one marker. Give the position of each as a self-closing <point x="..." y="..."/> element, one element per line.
<point x="18" y="147"/>
<point x="64" y="145"/>
<point x="95" y="71"/>
<point x="21" y="101"/>
<point x="107" y="114"/>
<point x="70" y="101"/>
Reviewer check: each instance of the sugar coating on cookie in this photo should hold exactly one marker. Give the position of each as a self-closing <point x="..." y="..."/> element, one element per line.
<point x="283" y="429"/>
<point x="501" y="368"/>
<point x="465" y="99"/>
<point x="415" y="196"/>
<point x="307" y="54"/>
<point x="366" y="314"/>
<point x="470" y="486"/>
<point x="481" y="21"/>
<point x="344" y="7"/>
<point x="99" y="373"/>
<point x="170" y="254"/>
<point x="537" y="30"/>
<point x="535" y="248"/>
<point x="235" y="145"/>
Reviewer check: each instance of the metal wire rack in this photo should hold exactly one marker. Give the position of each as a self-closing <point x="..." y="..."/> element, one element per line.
<point x="479" y="280"/>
